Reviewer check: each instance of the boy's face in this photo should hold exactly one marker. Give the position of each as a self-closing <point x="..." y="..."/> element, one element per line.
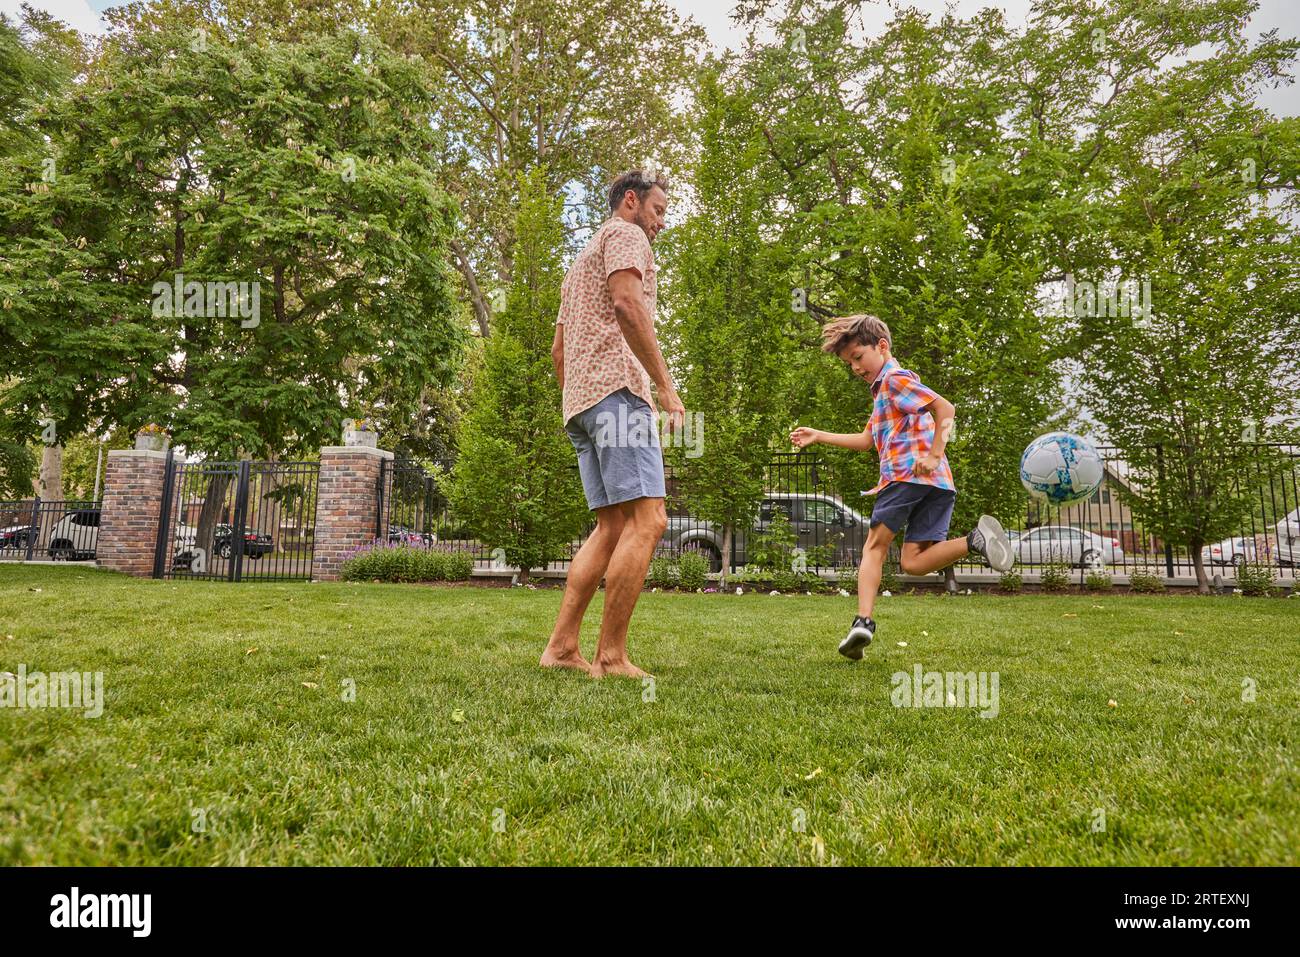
<point x="866" y="361"/>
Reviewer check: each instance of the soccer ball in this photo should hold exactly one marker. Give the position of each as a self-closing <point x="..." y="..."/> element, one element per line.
<point x="1060" y="469"/>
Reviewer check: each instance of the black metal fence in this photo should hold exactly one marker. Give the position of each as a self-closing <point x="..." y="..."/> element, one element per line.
<point x="46" y="530"/>
<point x="237" y="521"/>
<point x="829" y="526"/>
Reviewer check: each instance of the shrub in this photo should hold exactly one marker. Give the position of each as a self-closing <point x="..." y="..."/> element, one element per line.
<point x="663" y="572"/>
<point x="406" y="563"/>
<point x="1098" y="581"/>
<point x="1256" y="579"/>
<point x="692" y="569"/>
<point x="1011" y="581"/>
<point x="1055" y="576"/>
<point x="459" y="566"/>
<point x="847" y="577"/>
<point x="1146" y="581"/>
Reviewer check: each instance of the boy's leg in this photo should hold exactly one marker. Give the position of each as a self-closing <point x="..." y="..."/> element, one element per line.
<point x="874" y="554"/>
<point x="921" y="558"/>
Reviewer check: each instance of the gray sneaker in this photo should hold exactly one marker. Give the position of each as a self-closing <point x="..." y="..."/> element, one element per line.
<point x="989" y="539"/>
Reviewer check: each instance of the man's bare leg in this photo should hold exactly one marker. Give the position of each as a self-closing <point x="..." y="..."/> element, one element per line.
<point x="645" y="521"/>
<point x="585" y="572"/>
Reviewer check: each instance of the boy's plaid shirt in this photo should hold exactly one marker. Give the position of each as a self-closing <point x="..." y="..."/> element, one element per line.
<point x="902" y="432"/>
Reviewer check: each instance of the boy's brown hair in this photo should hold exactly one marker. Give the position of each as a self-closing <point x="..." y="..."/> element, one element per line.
<point x="839" y="334"/>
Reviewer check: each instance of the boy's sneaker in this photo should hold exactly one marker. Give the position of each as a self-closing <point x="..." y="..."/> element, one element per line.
<point x="989" y="538"/>
<point x="859" y="637"/>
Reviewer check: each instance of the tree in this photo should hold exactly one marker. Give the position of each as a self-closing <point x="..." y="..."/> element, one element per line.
<point x="1202" y="202"/>
<point x="514" y="483"/>
<point x="729" y="316"/>
<point x="300" y="171"/>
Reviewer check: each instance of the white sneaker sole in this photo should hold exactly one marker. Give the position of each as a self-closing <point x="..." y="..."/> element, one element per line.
<point x="851" y="647"/>
<point x="996" y="543"/>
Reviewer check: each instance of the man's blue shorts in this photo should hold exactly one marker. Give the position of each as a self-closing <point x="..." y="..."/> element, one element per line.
<point x="619" y="456"/>
<point x="926" y="510"/>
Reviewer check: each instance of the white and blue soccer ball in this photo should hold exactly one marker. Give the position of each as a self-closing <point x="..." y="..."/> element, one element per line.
<point x="1060" y="469"/>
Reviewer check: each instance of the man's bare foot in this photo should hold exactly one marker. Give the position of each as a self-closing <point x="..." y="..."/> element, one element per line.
<point x="564" y="659"/>
<point x="622" y="668"/>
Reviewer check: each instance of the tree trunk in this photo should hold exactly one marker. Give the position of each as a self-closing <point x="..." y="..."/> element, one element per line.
<point x="214" y="501"/>
<point x="726" y="555"/>
<point x="49" y="485"/>
<point x="1202" y="582"/>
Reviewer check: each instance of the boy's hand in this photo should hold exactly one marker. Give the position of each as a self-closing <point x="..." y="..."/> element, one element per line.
<point x="927" y="464"/>
<point x="802" y="437"/>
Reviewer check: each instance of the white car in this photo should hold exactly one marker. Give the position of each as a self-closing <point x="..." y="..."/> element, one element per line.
<point x="75" y="536"/>
<point x="1074" y="546"/>
<point x="1231" y="551"/>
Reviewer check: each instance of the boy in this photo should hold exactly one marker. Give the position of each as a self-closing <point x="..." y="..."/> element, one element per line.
<point x="916" y="488"/>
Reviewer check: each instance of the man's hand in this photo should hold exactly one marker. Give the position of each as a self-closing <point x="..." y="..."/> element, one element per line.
<point x="802" y="437"/>
<point x="671" y="403"/>
<point x="928" y="464"/>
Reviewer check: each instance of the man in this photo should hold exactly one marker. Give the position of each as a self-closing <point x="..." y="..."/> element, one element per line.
<point x="606" y="356"/>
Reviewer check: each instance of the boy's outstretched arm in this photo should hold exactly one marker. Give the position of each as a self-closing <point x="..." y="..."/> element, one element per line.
<point x="802" y="437"/>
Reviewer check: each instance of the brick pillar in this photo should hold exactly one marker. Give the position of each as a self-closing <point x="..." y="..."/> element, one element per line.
<point x="128" y="524"/>
<point x="347" y="502"/>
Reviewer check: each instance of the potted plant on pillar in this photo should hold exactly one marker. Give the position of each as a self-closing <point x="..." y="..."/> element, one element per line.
<point x="151" y="438"/>
<point x="360" y="433"/>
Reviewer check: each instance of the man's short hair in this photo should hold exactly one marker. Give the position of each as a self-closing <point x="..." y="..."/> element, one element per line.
<point x="839" y="334"/>
<point x="639" y="180"/>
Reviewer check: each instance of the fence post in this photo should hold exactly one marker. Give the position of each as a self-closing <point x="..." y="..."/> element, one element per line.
<point x="353" y="484"/>
<point x="34" y="529"/>
<point x="164" y="516"/>
<point x="240" y="520"/>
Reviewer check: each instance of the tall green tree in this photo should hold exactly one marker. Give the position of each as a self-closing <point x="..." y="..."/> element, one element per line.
<point x="514" y="482"/>
<point x="730" y="316"/>
<point x="300" y="169"/>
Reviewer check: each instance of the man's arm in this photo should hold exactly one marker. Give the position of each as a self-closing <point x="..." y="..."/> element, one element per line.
<point x="557" y="353"/>
<point x="638" y="329"/>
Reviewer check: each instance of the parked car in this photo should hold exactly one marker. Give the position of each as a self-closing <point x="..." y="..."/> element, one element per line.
<point x="404" y="535"/>
<point x="816" y="519"/>
<point x="1231" y="551"/>
<point x="255" y="545"/>
<point x="1047" y="543"/>
<point x="17" y="537"/>
<point x="1288" y="539"/>
<point x="75" y="536"/>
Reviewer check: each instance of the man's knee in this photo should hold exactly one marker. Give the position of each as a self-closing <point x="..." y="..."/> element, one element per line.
<point x="648" y="516"/>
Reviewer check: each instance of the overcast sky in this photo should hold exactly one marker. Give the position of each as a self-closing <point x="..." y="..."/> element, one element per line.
<point x="713" y="16"/>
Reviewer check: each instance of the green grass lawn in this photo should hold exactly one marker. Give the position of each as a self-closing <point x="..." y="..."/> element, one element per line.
<point x="224" y="703"/>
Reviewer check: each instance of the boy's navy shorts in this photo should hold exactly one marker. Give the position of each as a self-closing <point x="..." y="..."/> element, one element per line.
<point x="926" y="510"/>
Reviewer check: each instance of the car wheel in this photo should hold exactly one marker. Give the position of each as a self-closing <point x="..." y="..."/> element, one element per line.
<point x="714" y="556"/>
<point x="224" y="549"/>
<point x="1092" y="561"/>
<point x="255" y="556"/>
<point x="61" y="552"/>
<point x="1239" y="561"/>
